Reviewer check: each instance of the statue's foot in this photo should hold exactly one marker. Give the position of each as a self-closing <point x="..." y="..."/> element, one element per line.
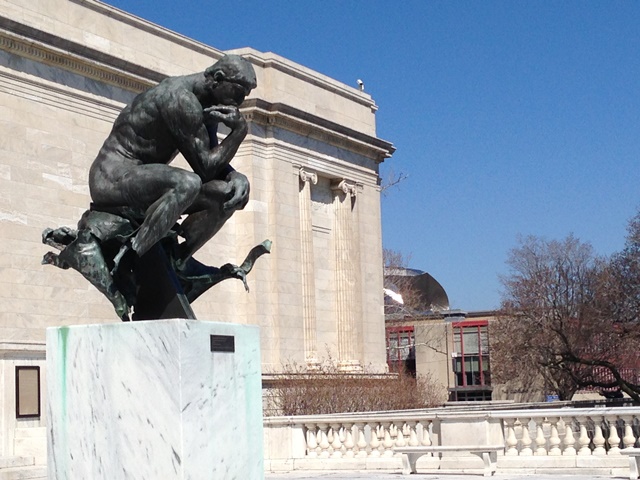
<point x="51" y="258"/>
<point x="59" y="238"/>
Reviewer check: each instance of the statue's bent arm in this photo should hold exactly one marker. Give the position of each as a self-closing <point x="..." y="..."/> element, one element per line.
<point x="186" y="120"/>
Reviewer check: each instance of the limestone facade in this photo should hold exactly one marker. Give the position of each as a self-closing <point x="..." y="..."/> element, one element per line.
<point x="67" y="67"/>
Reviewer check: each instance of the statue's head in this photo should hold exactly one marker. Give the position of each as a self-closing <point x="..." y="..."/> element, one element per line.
<point x="232" y="77"/>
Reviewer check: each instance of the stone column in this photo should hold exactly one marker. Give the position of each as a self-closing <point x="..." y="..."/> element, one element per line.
<point x="347" y="278"/>
<point x="308" y="270"/>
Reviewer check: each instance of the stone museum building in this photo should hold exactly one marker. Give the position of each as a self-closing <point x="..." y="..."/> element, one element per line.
<point x="312" y="156"/>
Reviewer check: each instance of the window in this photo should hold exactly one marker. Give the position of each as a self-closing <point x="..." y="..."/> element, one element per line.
<point x="401" y="355"/>
<point x="471" y="361"/>
<point x="27" y="392"/>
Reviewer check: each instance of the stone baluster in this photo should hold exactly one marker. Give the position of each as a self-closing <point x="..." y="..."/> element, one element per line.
<point x="336" y="444"/>
<point x="348" y="446"/>
<point x="598" y="437"/>
<point x="393" y="431"/>
<point x="343" y="436"/>
<point x="511" y="440"/>
<point x="554" y="438"/>
<point x="525" y="441"/>
<point x="400" y="441"/>
<point x="614" y="438"/>
<point x="361" y="441"/>
<point x="569" y="440"/>
<point x="346" y="276"/>
<point x="375" y="441"/>
<point x="541" y="442"/>
<point x="330" y="434"/>
<point x="629" y="439"/>
<point x="308" y="270"/>
<point x="324" y="444"/>
<point x="387" y="442"/>
<point x="583" y="439"/>
<point x="312" y="440"/>
<point x="425" y="439"/>
<point x="413" y="434"/>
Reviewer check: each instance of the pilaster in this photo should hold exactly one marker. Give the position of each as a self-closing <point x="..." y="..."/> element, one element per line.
<point x="347" y="282"/>
<point x="308" y="271"/>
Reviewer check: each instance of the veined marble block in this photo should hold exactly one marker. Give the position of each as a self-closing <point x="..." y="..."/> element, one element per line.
<point x="152" y="401"/>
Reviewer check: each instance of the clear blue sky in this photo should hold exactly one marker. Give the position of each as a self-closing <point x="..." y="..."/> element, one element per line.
<point x="510" y="118"/>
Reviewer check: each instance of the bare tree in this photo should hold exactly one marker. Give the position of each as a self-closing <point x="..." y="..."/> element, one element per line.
<point x="622" y="292"/>
<point x="546" y="305"/>
<point x="296" y="391"/>
<point x="614" y="361"/>
<point x="391" y="180"/>
<point x="570" y="318"/>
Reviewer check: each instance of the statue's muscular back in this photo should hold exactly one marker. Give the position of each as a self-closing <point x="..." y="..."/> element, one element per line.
<point x="144" y="132"/>
<point x="145" y="137"/>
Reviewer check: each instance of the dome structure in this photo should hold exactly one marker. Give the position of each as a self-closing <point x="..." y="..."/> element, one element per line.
<point x="425" y="292"/>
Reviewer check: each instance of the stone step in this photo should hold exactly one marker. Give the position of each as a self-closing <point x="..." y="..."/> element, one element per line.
<point x="24" y="473"/>
<point x="13" y="462"/>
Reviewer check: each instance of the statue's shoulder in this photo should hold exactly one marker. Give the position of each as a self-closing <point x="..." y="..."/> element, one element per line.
<point x="181" y="111"/>
<point x="172" y="89"/>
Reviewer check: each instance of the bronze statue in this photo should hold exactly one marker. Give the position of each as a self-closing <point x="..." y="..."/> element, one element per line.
<point x="138" y="198"/>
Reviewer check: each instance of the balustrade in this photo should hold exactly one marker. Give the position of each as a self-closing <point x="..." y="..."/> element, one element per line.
<point x="527" y="433"/>
<point x="593" y="435"/>
<point x="360" y="439"/>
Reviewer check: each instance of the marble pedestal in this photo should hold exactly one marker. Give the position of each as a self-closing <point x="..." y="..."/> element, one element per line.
<point x="154" y="400"/>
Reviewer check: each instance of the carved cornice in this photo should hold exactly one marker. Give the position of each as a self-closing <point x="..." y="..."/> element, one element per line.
<point x="45" y="48"/>
<point x="49" y="93"/>
<point x="309" y="125"/>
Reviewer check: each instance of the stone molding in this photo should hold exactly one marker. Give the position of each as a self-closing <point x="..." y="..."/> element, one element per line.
<point x="10" y="349"/>
<point x="325" y="165"/>
<point x="272" y="60"/>
<point x="48" y="49"/>
<point x="50" y="93"/>
<point x="309" y="125"/>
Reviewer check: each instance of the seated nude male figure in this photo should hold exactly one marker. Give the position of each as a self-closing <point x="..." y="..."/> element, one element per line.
<point x="181" y="114"/>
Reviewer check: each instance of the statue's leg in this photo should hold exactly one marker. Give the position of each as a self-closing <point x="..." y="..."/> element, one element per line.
<point x="206" y="217"/>
<point x="163" y="192"/>
<point x="162" y="215"/>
